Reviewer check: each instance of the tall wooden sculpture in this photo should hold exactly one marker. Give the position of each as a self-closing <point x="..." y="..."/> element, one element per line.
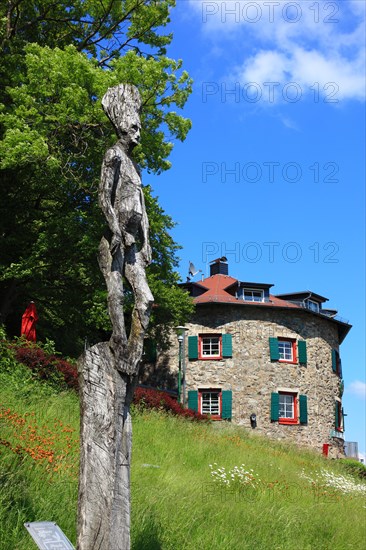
<point x="108" y="371"/>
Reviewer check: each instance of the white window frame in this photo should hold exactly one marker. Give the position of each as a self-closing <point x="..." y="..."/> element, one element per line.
<point x="210" y="337"/>
<point x="213" y="406"/>
<point x="291" y="344"/>
<point x="252" y="291"/>
<point x="289" y="403"/>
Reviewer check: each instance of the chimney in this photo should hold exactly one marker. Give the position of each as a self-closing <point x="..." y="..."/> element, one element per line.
<point x="219" y="267"/>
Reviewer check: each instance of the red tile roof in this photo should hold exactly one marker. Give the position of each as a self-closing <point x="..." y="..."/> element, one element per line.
<point x="216" y="285"/>
<point x="216" y="293"/>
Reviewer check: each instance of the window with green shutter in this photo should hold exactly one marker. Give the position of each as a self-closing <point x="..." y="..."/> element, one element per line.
<point x="213" y="402"/>
<point x="285" y="350"/>
<point x="227" y="345"/>
<point x="301" y="346"/>
<point x="289" y="408"/>
<point x="193" y="400"/>
<point x="192" y="347"/>
<point x="303" y="405"/>
<point x="227" y="403"/>
<point x="273" y="349"/>
<point x="211" y="346"/>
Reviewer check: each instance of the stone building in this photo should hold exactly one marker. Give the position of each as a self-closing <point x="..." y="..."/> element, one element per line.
<point x="270" y="362"/>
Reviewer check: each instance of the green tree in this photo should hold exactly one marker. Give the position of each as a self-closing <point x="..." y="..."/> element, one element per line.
<point x="57" y="62"/>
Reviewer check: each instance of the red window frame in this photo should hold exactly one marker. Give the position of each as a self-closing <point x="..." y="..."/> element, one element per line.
<point x="295" y="419"/>
<point x="210" y="390"/>
<point x="292" y="341"/>
<point x="200" y="345"/>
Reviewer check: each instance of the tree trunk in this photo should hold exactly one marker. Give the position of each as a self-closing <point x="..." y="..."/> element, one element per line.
<point x="106" y="438"/>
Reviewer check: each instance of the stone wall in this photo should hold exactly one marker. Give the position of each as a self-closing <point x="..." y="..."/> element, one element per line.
<point x="252" y="376"/>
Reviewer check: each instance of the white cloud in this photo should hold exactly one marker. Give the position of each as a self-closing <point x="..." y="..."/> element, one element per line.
<point x="265" y="66"/>
<point x="314" y="72"/>
<point x="321" y="42"/>
<point x="357" y="388"/>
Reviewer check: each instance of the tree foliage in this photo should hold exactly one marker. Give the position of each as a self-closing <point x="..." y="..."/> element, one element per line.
<point x="57" y="62"/>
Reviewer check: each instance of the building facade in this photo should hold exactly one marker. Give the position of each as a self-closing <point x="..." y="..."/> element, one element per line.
<point x="266" y="362"/>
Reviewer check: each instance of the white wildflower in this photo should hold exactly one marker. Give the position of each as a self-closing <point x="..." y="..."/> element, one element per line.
<point x="340" y="482"/>
<point x="238" y="474"/>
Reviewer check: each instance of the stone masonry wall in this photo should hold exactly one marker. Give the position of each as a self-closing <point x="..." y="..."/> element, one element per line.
<point x="252" y="376"/>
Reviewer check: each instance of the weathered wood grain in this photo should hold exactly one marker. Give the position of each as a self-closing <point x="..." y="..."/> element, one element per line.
<point x="108" y="371"/>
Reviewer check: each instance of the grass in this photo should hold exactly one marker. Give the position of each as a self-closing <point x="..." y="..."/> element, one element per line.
<point x="190" y="511"/>
<point x="175" y="502"/>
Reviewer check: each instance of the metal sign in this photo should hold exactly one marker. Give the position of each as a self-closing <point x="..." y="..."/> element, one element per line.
<point x="48" y="536"/>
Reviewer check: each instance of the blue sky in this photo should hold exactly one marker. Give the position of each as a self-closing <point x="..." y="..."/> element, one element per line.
<point x="272" y="174"/>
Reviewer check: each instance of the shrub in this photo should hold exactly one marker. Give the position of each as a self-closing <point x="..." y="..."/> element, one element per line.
<point x="44" y="365"/>
<point x="145" y="398"/>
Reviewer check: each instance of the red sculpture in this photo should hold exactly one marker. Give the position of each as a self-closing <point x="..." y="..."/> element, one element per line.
<point x="29" y="320"/>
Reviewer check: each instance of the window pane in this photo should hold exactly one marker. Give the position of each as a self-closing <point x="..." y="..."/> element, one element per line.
<point x="285" y="350"/>
<point x="286" y="406"/>
<point x="314" y="306"/>
<point x="210" y="403"/>
<point x="211" y="345"/>
<point x="253" y="295"/>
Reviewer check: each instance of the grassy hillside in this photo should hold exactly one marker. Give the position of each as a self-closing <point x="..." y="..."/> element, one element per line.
<point x="280" y="499"/>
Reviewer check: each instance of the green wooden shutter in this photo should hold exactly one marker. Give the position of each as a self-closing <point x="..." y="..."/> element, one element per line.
<point x="193" y="400"/>
<point x="334" y="360"/>
<point x="275" y="406"/>
<point x="301" y="346"/>
<point x="226" y="404"/>
<point x="303" y="402"/>
<point x="273" y="349"/>
<point x="343" y="415"/>
<point x="227" y="345"/>
<point x="192" y="347"/>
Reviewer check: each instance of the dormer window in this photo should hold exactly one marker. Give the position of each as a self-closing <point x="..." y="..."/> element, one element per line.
<point x="314" y="306"/>
<point x="253" y="295"/>
<point x="306" y="299"/>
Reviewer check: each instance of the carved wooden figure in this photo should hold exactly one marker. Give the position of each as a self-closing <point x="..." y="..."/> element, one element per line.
<point x="108" y="371"/>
